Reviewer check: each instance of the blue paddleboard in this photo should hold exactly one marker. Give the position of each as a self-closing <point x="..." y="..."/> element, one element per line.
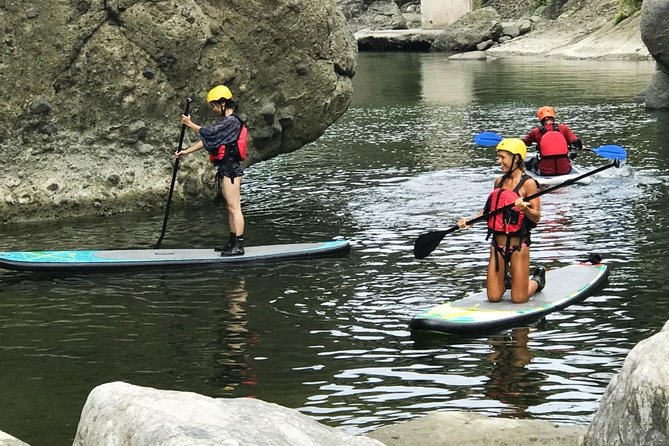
<point x="136" y="258"/>
<point x="475" y="314"/>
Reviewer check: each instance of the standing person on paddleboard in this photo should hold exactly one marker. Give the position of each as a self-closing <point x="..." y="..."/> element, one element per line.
<point x="220" y="140"/>
<point x="555" y="144"/>
<point x="510" y="229"/>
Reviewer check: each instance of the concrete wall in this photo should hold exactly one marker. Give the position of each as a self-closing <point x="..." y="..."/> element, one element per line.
<point x="437" y="14"/>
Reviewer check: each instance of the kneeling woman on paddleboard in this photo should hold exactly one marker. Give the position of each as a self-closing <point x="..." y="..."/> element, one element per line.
<point x="510" y="228"/>
<point x="220" y="140"/>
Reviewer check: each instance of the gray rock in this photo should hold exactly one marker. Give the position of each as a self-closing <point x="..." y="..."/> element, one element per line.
<point x="635" y="407"/>
<point x="472" y="429"/>
<point x="511" y="29"/>
<point x="656" y="95"/>
<point x="470" y="29"/>
<point x="374" y="15"/>
<point x="470" y="55"/>
<point x="8" y="440"/>
<point x="655" y="30"/>
<point x="120" y="414"/>
<point x="524" y="26"/>
<point x="396" y="40"/>
<point x="482" y="46"/>
<point x="655" y="34"/>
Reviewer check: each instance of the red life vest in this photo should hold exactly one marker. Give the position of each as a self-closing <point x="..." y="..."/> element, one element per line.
<point x="553" y="153"/>
<point x="510" y="221"/>
<point x="237" y="149"/>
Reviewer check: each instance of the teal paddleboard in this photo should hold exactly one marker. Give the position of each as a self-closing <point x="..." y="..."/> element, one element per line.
<point x="475" y="314"/>
<point x="142" y="258"/>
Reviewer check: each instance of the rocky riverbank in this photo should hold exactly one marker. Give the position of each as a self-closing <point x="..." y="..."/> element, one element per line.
<point x="586" y="33"/>
<point x="580" y="36"/>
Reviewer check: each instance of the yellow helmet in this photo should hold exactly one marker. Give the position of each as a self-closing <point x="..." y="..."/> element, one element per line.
<point x="513" y="145"/>
<point x="219" y="92"/>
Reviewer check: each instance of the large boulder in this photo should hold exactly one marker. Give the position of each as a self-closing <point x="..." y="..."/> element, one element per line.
<point x="121" y="414"/>
<point x="656" y="94"/>
<point x="635" y="406"/>
<point x="655" y="34"/>
<point x="470" y="29"/>
<point x="92" y="91"/>
<point x="372" y="14"/>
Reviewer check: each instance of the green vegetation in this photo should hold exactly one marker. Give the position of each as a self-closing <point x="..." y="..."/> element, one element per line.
<point x="625" y="9"/>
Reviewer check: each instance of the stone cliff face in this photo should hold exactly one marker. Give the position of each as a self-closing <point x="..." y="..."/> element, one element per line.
<point x="92" y="92"/>
<point x="655" y="34"/>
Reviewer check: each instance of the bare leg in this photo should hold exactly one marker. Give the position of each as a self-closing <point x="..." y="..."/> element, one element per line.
<point x="495" y="279"/>
<point x="231" y="192"/>
<point x="522" y="288"/>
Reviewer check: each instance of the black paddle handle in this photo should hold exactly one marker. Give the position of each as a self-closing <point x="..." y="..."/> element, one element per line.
<point x="174" y="176"/>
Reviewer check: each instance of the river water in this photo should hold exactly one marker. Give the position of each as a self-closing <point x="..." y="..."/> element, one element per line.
<point x="330" y="337"/>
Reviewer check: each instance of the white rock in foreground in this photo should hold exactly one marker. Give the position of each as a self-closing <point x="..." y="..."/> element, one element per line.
<point x="122" y="414"/>
<point x="444" y="428"/>
<point x="635" y="407"/>
<point x="8" y="440"/>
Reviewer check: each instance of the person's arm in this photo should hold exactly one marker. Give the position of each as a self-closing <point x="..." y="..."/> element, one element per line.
<point x="194" y="148"/>
<point x="531" y="137"/>
<point x="462" y="222"/>
<point x="572" y="140"/>
<point x="186" y="120"/>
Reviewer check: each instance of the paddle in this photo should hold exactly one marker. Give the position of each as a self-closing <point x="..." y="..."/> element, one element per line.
<point x="487" y="139"/>
<point x="426" y="243"/>
<point x="174" y="177"/>
<point x="609" y="151"/>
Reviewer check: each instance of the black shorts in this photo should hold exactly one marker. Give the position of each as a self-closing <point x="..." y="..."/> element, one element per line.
<point x="229" y="170"/>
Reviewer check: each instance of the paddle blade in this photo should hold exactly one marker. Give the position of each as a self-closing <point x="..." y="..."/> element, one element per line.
<point x="611" y="151"/>
<point x="426" y="243"/>
<point x="487" y="139"/>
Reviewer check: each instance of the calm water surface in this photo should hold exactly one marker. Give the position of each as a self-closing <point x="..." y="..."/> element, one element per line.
<point x="329" y="337"/>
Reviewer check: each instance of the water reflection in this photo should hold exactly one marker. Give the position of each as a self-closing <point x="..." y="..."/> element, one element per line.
<point x="231" y="362"/>
<point x="511" y="381"/>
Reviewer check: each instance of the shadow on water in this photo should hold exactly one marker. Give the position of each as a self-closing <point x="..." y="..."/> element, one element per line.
<point x="330" y="337"/>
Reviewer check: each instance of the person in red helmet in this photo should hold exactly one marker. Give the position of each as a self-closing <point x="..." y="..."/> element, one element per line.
<point x="554" y="144"/>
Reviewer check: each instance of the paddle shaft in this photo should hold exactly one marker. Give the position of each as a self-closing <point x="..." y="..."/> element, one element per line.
<point x="426" y="243"/>
<point x="608" y="151"/>
<point x="175" y="170"/>
<point x="568" y="182"/>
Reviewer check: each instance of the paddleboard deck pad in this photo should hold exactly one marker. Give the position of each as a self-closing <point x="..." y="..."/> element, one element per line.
<point x="136" y="258"/>
<point x="475" y="314"/>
